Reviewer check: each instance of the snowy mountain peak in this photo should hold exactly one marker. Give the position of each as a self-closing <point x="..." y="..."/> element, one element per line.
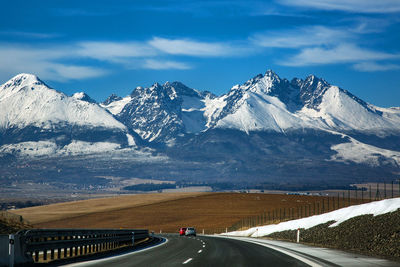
<point x="111" y="98"/>
<point x="315" y="82"/>
<point x="272" y="75"/>
<point x="264" y="83"/>
<point x="156" y="86"/>
<point x="22" y="80"/>
<point x="83" y="97"/>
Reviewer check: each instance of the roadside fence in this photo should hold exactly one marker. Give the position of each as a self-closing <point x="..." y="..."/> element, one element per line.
<point x="334" y="201"/>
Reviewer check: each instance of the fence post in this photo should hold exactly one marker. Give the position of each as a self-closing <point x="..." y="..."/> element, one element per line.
<point x="11" y="249"/>
<point x="338" y="200"/>
<point x="370" y="193"/>
<point x="362" y="194"/>
<point x="377" y="196"/>
<point x="348" y="197"/>
<point x="328" y="204"/>
<point x="384" y="189"/>
<point x="356" y="195"/>
<point x="392" y="189"/>
<point x="343" y="201"/>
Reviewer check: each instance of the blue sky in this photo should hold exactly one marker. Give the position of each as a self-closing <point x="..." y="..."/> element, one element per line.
<point x="103" y="47"/>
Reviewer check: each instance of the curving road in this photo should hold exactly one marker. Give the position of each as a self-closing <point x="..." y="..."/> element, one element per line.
<point x="201" y="251"/>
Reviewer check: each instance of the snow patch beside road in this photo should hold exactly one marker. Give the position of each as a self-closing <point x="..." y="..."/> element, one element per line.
<point x="375" y="208"/>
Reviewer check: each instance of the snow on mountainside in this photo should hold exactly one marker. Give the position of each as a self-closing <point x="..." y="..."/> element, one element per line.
<point x="30" y="111"/>
<point x="115" y="104"/>
<point x="358" y="152"/>
<point x="84" y="97"/>
<point x="264" y="103"/>
<point x="26" y="100"/>
<point x="161" y="112"/>
<point x="274" y="104"/>
<point x="37" y="120"/>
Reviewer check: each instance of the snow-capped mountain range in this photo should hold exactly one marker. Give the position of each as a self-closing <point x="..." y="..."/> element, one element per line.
<point x="264" y="103"/>
<point x="266" y="116"/>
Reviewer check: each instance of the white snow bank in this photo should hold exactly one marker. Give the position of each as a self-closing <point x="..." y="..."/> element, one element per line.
<point x="339" y="216"/>
<point x="359" y="152"/>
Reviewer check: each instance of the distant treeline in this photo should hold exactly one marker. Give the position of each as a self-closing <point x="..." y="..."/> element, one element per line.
<point x="149" y="187"/>
<point x="226" y="186"/>
<point x="5" y="205"/>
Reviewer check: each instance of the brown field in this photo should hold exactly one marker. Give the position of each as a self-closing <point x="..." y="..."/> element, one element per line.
<point x="166" y="212"/>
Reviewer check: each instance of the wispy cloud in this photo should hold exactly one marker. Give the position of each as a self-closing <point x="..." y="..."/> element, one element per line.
<point x="190" y="47"/>
<point x="164" y="65"/>
<point x="323" y="45"/>
<point x="44" y="62"/>
<point x="114" y="51"/>
<point x="343" y="53"/>
<point x="34" y="35"/>
<point x="373" y="66"/>
<point x="53" y="62"/>
<point x="355" y="6"/>
<point x="301" y="37"/>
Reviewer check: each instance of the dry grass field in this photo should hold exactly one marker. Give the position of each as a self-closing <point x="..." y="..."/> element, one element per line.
<point x="166" y="212"/>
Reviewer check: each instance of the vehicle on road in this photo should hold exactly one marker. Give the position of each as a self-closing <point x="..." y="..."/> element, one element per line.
<point x="190" y="231"/>
<point x="182" y="231"/>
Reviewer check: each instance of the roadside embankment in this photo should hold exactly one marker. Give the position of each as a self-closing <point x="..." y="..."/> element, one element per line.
<point x="365" y="234"/>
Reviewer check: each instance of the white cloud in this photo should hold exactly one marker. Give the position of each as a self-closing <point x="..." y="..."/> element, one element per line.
<point x="189" y="47"/>
<point x="34" y="35"/>
<point x="114" y="51"/>
<point x="343" y="53"/>
<point x="301" y="37"/>
<point x="321" y="45"/>
<point x="356" y="6"/>
<point x="165" y="65"/>
<point x="43" y="62"/>
<point x="373" y="66"/>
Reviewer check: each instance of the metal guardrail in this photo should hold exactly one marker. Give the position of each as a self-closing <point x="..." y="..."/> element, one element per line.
<point x="34" y="245"/>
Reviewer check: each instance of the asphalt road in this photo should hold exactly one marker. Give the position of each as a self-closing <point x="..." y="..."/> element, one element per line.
<point x="201" y="251"/>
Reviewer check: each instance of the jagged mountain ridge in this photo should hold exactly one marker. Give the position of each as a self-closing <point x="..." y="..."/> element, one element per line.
<point x="263" y="103"/>
<point x="264" y="129"/>
<point x="161" y="112"/>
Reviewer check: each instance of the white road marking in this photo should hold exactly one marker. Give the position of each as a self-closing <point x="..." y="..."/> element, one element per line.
<point x="187" y="261"/>
<point x="200" y="251"/>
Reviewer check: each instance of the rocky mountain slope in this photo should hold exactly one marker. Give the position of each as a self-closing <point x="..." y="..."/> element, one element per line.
<point x="263" y="103"/>
<point x="35" y="117"/>
<point x="268" y="127"/>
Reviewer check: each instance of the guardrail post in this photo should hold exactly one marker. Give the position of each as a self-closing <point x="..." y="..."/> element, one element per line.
<point x="11" y="250"/>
